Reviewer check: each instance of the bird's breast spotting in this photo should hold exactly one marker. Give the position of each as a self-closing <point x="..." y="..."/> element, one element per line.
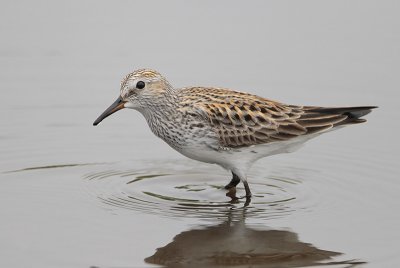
<point x="183" y="131"/>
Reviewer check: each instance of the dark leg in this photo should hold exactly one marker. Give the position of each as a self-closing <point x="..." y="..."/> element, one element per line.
<point x="234" y="181"/>
<point x="247" y="188"/>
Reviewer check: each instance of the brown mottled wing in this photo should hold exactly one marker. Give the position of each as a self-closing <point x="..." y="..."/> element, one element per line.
<point x="242" y="119"/>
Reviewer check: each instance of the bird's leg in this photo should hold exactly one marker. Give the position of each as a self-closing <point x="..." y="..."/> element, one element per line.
<point x="232" y="194"/>
<point x="248" y="200"/>
<point x="247" y="188"/>
<point x="231" y="186"/>
<point x="248" y="193"/>
<point x="234" y="181"/>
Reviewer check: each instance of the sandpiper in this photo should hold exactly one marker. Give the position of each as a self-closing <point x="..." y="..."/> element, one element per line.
<point x="221" y="126"/>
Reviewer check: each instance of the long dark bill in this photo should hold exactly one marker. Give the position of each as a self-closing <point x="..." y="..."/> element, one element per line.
<point x="117" y="105"/>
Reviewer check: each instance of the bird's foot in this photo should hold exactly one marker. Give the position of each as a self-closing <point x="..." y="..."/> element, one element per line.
<point x="234" y="199"/>
<point x="232" y="193"/>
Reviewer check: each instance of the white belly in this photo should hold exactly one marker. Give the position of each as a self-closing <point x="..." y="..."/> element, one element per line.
<point x="241" y="158"/>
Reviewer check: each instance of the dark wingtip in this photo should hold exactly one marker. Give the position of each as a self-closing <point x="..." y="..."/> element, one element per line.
<point x="95" y="123"/>
<point x="358" y="112"/>
<point x="369" y="107"/>
<point x="355" y="112"/>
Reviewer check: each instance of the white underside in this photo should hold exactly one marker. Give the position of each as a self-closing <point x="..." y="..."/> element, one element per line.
<point x="240" y="160"/>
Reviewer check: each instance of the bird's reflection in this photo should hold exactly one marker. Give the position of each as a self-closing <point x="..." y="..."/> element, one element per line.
<point x="233" y="243"/>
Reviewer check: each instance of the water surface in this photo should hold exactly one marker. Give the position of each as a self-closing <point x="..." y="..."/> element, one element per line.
<point x="74" y="195"/>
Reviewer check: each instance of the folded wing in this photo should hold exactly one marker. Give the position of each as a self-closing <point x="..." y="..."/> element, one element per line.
<point x="242" y="119"/>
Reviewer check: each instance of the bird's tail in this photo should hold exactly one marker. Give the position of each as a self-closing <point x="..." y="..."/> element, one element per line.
<point x="319" y="119"/>
<point x="353" y="114"/>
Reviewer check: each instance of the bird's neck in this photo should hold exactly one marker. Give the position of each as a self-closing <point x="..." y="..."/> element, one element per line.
<point x="161" y="114"/>
<point x="159" y="107"/>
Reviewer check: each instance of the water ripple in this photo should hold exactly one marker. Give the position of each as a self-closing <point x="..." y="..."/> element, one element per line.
<point x="189" y="193"/>
<point x="184" y="189"/>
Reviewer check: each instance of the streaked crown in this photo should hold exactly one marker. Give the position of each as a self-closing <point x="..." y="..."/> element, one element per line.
<point x="144" y="74"/>
<point x="143" y="87"/>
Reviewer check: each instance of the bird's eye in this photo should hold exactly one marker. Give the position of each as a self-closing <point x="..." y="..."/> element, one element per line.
<point x="140" y="85"/>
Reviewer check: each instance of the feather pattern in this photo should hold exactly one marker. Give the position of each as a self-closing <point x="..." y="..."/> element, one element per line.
<point x="241" y="119"/>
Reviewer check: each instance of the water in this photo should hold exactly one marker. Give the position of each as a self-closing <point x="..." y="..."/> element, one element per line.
<point x="74" y="195"/>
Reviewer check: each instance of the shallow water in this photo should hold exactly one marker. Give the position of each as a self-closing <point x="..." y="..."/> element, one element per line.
<point x="74" y="195"/>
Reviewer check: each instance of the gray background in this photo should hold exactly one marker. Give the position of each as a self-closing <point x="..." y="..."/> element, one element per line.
<point x="60" y="67"/>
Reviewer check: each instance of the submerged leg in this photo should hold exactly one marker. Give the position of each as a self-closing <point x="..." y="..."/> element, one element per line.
<point x="247" y="188"/>
<point x="235" y="181"/>
<point x="237" y="177"/>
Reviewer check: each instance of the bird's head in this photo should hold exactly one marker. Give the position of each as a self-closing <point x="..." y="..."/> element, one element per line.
<point x="140" y="90"/>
